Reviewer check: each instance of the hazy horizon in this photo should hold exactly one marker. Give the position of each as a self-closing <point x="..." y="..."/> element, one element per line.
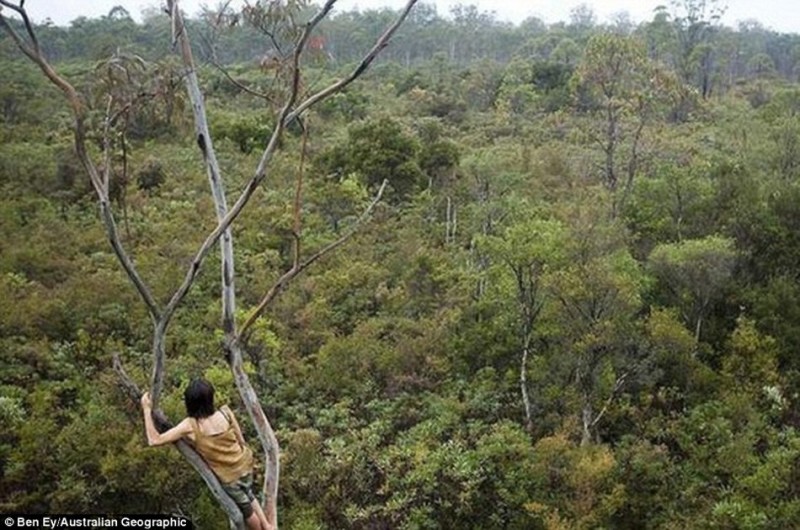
<point x="779" y="15"/>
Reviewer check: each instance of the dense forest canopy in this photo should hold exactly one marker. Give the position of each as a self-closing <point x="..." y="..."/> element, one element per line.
<point x="576" y="306"/>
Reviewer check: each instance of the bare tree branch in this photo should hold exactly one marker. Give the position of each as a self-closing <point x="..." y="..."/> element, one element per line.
<point x="240" y="85"/>
<point x="301" y="266"/>
<point x="252" y="185"/>
<point x="523" y="382"/>
<point x="107" y="147"/>
<point x="298" y="197"/>
<point x="218" y="192"/>
<point x="266" y="434"/>
<point x="20" y="10"/>
<point x="617" y="386"/>
<point x="79" y="133"/>
<point x="214" y="61"/>
<point x="381" y="43"/>
<point x="261" y="170"/>
<point x="286" y="116"/>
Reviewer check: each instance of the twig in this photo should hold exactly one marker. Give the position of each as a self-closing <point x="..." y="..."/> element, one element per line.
<point x="239" y="85"/>
<point x="301" y="266"/>
<point x="617" y="385"/>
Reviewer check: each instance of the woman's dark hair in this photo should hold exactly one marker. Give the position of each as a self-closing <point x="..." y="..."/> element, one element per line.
<point x="199" y="398"/>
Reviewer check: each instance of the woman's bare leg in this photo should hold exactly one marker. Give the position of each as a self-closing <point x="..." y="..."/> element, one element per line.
<point x="258" y="511"/>
<point x="253" y="522"/>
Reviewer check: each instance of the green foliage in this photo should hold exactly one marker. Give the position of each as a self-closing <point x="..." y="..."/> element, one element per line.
<point x="378" y="150"/>
<point x="438" y="158"/>
<point x="752" y="361"/>
<point x="671" y="205"/>
<point x="612" y="70"/>
<point x="21" y="98"/>
<point x="151" y="176"/>
<point x="775" y="306"/>
<point x="694" y="273"/>
<point x="350" y="106"/>
<point x="246" y="132"/>
<point x="660" y="313"/>
<point x="575" y="485"/>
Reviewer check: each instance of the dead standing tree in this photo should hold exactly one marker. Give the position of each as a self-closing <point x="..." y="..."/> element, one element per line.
<point x="293" y="107"/>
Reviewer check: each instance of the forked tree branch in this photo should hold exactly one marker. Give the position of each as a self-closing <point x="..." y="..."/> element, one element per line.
<point x="214" y="61"/>
<point x="285" y="117"/>
<point x="260" y="173"/>
<point x="380" y="44"/>
<point x="20" y="10"/>
<point x="206" y="146"/>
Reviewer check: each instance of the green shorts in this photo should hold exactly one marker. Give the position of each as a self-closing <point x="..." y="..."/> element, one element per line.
<point x="241" y="491"/>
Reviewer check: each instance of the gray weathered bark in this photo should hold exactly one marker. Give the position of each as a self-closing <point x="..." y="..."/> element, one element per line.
<point x="588" y="419"/>
<point x="523" y="383"/>
<point x="225" y="217"/>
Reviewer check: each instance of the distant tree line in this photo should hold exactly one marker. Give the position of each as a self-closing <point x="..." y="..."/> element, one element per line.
<point x="686" y="36"/>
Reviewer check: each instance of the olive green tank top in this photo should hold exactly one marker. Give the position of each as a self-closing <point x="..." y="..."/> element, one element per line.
<point x="223" y="453"/>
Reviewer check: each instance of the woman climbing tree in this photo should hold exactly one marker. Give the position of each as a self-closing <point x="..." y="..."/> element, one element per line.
<point x="217" y="437"/>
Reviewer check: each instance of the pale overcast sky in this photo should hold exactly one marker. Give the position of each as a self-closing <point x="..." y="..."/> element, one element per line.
<point x="780" y="15"/>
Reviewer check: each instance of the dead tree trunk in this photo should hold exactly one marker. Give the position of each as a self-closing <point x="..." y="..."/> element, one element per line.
<point x="293" y="108"/>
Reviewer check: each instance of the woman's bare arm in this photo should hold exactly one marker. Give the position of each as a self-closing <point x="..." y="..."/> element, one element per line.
<point x="161" y="438"/>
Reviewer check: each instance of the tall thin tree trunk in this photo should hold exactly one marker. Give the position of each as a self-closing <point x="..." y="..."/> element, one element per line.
<point x="523" y="383"/>
<point x="697" y="328"/>
<point x="123" y="193"/>
<point x="454" y="228"/>
<point x="586" y="419"/>
<point x="450" y="229"/>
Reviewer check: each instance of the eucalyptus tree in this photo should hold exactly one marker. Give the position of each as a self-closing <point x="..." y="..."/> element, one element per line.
<point x="694" y="272"/>
<point x="471" y="33"/>
<point x="621" y="91"/>
<point x="696" y="23"/>
<point x="582" y="19"/>
<point x="782" y="113"/>
<point x="594" y="320"/>
<point x="525" y="252"/>
<point x="294" y="103"/>
<point x="659" y="37"/>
